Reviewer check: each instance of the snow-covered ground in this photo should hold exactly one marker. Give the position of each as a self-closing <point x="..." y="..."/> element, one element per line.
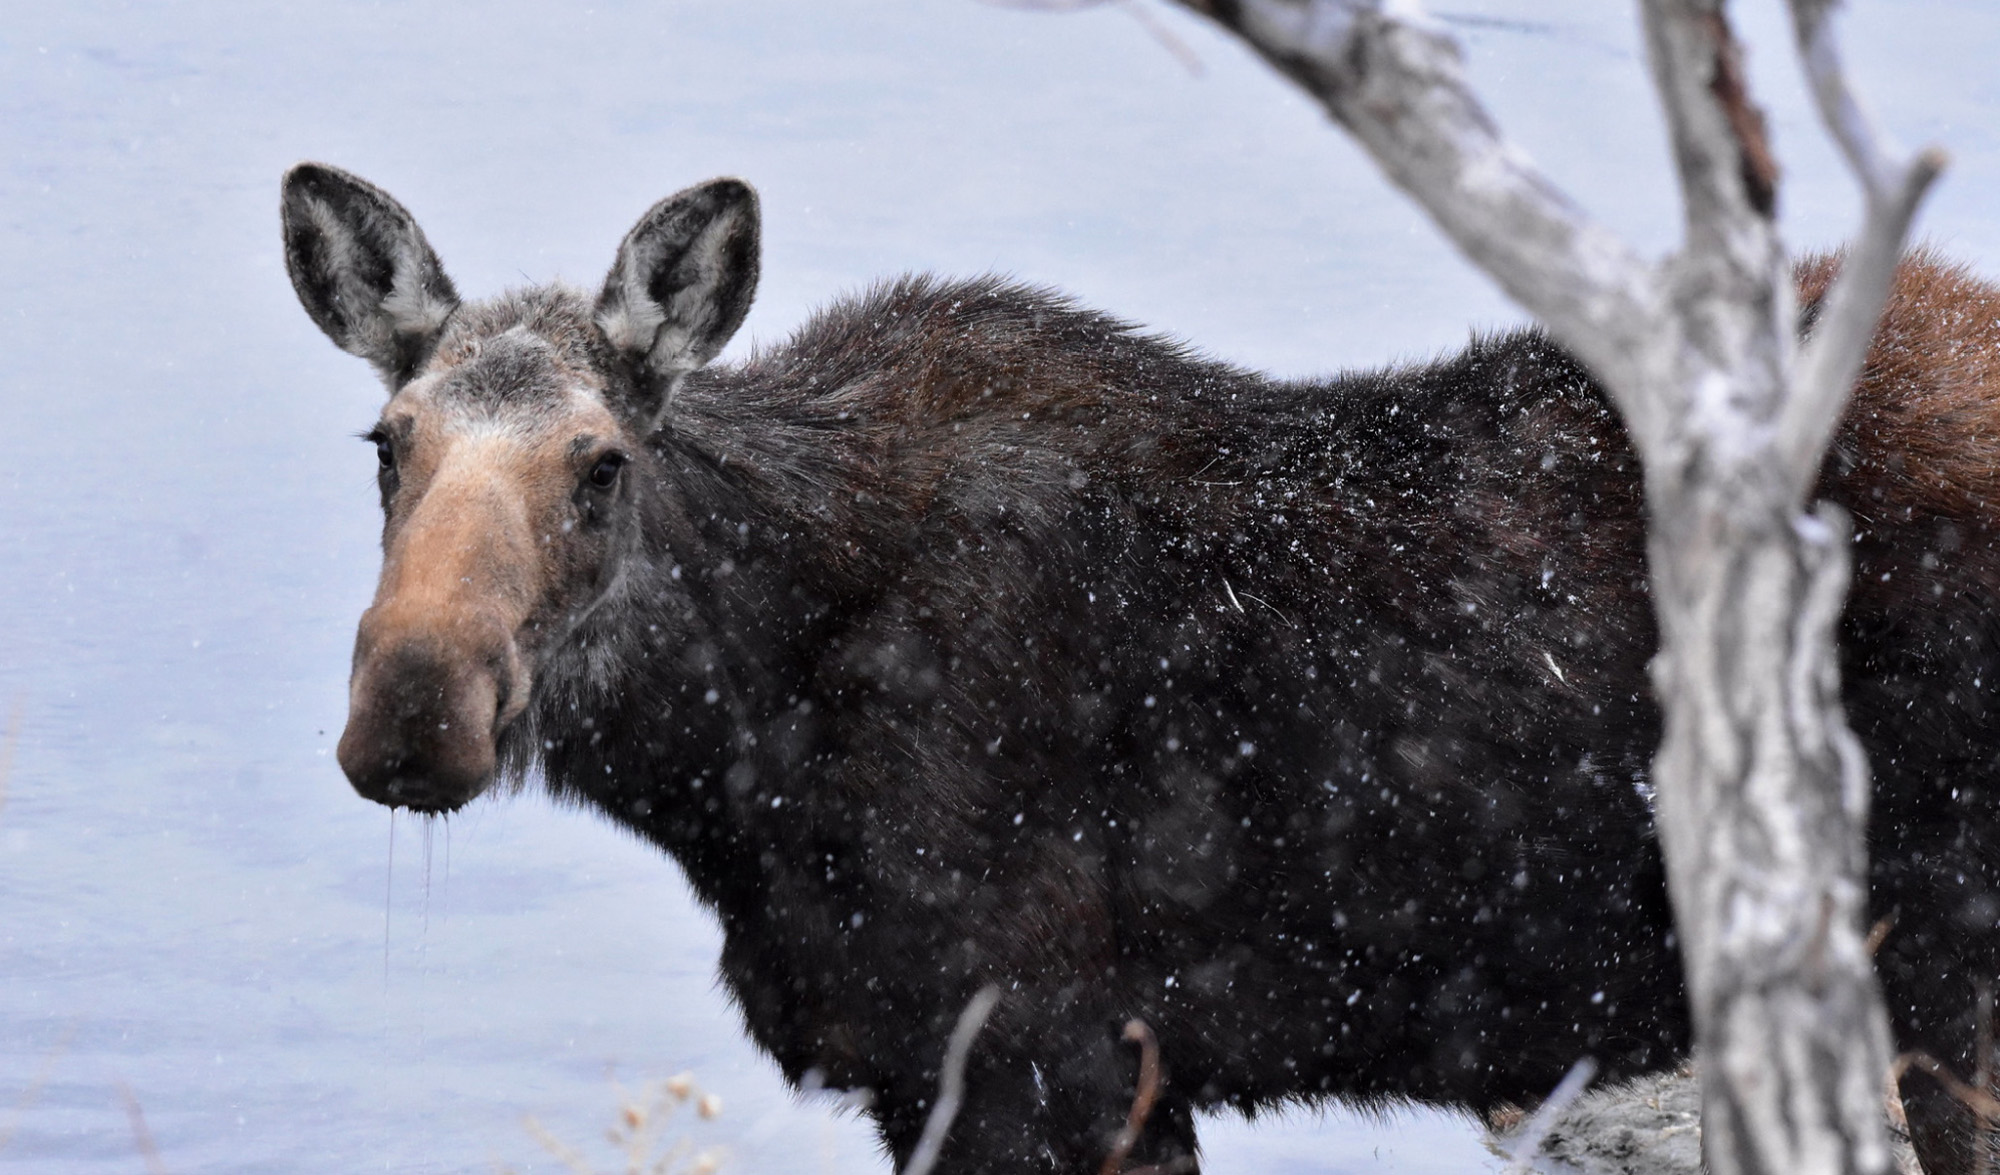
<point x="194" y="907"/>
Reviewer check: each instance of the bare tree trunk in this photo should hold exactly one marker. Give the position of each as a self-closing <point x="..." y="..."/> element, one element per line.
<point x="1762" y="789"/>
<point x="1762" y="800"/>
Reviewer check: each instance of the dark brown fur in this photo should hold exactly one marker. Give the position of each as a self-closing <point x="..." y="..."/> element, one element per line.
<point x="973" y="638"/>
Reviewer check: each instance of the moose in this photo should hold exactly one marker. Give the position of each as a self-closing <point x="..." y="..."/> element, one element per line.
<point x="973" y="638"/>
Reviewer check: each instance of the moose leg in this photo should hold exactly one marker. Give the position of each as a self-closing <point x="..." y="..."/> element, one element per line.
<point x="1060" y="1113"/>
<point x="1949" y="1138"/>
<point x="1938" y="1021"/>
<point x="1099" y="1091"/>
<point x="1931" y="982"/>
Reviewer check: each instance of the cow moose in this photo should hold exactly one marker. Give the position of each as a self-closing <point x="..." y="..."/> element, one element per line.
<point x="970" y="637"/>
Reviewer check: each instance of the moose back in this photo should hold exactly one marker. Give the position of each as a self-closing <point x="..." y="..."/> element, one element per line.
<point x="972" y="638"/>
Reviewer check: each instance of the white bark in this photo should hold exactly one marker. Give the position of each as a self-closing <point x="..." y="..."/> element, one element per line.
<point x="1891" y="191"/>
<point x="1763" y="791"/>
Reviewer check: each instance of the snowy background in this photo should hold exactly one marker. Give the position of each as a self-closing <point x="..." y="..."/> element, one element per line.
<point x="197" y="916"/>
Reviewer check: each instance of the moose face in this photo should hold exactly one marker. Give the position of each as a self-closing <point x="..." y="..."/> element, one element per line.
<point x="505" y="499"/>
<point x="511" y="453"/>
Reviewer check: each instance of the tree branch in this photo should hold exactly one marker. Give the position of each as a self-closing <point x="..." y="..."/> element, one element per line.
<point x="1868" y="151"/>
<point x="1721" y="149"/>
<point x="1399" y="86"/>
<point x="1892" y="189"/>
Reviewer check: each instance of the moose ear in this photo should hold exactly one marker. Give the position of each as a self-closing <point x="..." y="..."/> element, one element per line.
<point x="363" y="270"/>
<point x="683" y="281"/>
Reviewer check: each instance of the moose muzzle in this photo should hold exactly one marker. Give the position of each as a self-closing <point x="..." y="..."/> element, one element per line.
<point x="438" y="671"/>
<point x="423" y="717"/>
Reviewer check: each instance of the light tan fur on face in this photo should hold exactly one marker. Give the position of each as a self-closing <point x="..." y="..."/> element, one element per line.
<point x="464" y="562"/>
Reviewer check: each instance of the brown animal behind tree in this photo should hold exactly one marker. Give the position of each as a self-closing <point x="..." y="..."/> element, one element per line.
<point x="970" y="637"/>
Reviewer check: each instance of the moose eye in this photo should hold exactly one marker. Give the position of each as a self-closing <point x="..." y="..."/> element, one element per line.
<point x="384" y="451"/>
<point x="604" y="474"/>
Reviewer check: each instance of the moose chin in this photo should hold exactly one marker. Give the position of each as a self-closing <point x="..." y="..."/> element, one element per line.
<point x="970" y="638"/>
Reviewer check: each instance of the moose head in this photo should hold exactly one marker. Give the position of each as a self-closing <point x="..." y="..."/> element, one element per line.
<point x="513" y="451"/>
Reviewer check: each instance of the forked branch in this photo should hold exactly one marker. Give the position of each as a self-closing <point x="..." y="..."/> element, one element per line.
<point x="1892" y="187"/>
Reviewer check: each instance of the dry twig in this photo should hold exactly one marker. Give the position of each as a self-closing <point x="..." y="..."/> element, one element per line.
<point x="1528" y="1143"/>
<point x="8" y="746"/>
<point x="33" y="1092"/>
<point x="951" y="1082"/>
<point x="637" y="1133"/>
<point x="141" y="1137"/>
<point x="1143" y="1096"/>
<point x="1878" y="934"/>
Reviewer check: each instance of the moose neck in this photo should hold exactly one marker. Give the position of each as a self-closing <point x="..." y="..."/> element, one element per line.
<point x="653" y="706"/>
